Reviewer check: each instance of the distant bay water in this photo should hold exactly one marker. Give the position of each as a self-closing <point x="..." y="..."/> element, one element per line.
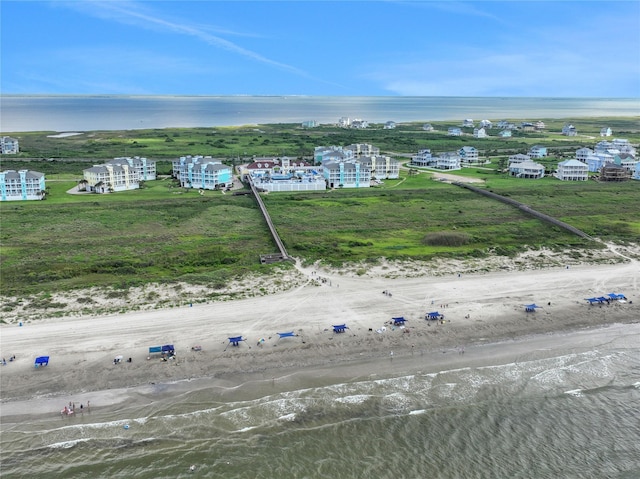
<point x="19" y="113"/>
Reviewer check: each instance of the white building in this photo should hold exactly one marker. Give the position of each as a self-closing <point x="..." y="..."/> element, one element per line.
<point x="468" y="154"/>
<point x="527" y="169"/>
<point x="390" y="125"/>
<point x="453" y="131"/>
<point x="569" y="130"/>
<point x="479" y="133"/>
<point x="145" y="168"/>
<point x="382" y="167"/>
<point x="21" y="185"/>
<point x="572" y="170"/>
<point x="111" y="177"/>
<point x="9" y="146"/>
<point x="605" y="131"/>
<point x="427" y="127"/>
<point x="468" y="123"/>
<point x="486" y="124"/>
<point x="583" y="153"/>
<point x="518" y="158"/>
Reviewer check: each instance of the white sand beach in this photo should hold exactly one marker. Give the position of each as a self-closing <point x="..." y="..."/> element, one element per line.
<point x="478" y="308"/>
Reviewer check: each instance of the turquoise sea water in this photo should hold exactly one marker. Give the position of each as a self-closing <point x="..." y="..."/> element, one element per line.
<point x="571" y="411"/>
<point x="105" y="112"/>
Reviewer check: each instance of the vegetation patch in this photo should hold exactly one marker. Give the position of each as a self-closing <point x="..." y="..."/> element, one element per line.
<point x="447" y="238"/>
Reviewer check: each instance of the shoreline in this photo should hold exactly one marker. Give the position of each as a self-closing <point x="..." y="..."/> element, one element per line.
<point x="483" y="309"/>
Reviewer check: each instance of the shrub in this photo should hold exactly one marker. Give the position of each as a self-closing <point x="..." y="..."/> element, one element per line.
<point x="447" y="238"/>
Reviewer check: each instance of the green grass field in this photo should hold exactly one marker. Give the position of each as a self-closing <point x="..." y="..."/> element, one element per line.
<point x="164" y="233"/>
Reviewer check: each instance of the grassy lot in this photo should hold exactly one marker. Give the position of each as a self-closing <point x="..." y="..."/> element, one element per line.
<point x="164" y="233"/>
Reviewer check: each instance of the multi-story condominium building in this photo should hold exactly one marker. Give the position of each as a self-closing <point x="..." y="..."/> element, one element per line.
<point x="363" y="149"/>
<point x="479" y="133"/>
<point x="583" y="153"/>
<point x="538" y="151"/>
<point x="331" y="153"/>
<point x="468" y="154"/>
<point x="145" y="168"/>
<point x="527" y="169"/>
<point x="382" y="167"/>
<point x="21" y="185"/>
<point x="204" y="173"/>
<point x="111" y="177"/>
<point x="569" y="130"/>
<point x="347" y="174"/>
<point x="9" y="146"/>
<point x="572" y="170"/>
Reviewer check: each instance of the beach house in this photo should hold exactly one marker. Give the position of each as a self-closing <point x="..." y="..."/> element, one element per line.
<point x="605" y="131"/>
<point x="486" y="124"/>
<point x="9" y="145"/>
<point x="21" y="185"/>
<point x="613" y="172"/>
<point x="468" y="123"/>
<point x="537" y="151"/>
<point x="572" y="170"/>
<point x="519" y="158"/>
<point x="569" y="130"/>
<point x="480" y="133"/>
<point x="454" y="131"/>
<point x="636" y="172"/>
<point x="526" y="169"/>
<point x="390" y="125"/>
<point x="505" y="134"/>
<point x="468" y="154"/>
<point x="427" y="127"/>
<point x="583" y="153"/>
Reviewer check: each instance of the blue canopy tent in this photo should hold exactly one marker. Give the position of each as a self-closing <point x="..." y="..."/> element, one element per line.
<point x="168" y="349"/>
<point x="530" y="308"/>
<point x="399" y="321"/>
<point x="594" y="300"/>
<point x="235" y="340"/>
<point x="42" y="361"/>
<point x="433" y="315"/>
<point x="289" y="334"/>
<point x="339" y="328"/>
<point x="616" y="296"/>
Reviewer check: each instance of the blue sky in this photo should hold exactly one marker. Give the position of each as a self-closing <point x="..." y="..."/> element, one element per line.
<point x="380" y="48"/>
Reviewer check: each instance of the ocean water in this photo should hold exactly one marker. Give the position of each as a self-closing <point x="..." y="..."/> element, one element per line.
<point x="105" y="112"/>
<point x="571" y="410"/>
